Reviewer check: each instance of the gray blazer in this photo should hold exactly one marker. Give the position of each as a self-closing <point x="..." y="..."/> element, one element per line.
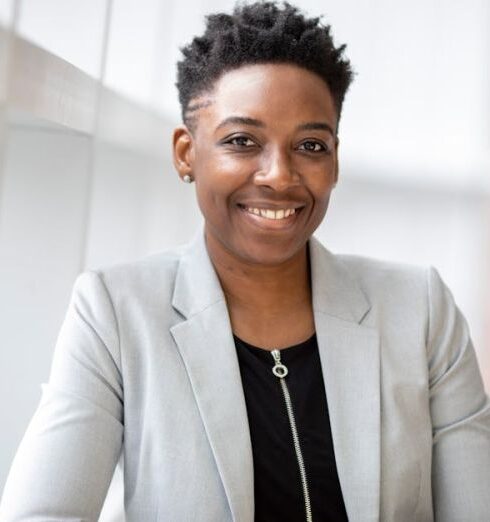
<point x="145" y="367"/>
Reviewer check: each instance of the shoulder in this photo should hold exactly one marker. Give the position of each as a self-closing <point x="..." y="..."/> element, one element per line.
<point x="407" y="297"/>
<point x="148" y="269"/>
<point x="380" y="293"/>
<point x="399" y="293"/>
<point x="378" y="275"/>
<point x="151" y="275"/>
<point x="377" y="279"/>
<point x="394" y="280"/>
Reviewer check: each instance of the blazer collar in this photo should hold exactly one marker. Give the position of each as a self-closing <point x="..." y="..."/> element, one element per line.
<point x="349" y="355"/>
<point x="197" y="285"/>
<point x="335" y="291"/>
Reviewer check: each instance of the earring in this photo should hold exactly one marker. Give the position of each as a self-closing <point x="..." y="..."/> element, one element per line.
<point x="187" y="178"/>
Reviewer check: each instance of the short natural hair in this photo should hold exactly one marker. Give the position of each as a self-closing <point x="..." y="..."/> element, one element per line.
<point x="261" y="32"/>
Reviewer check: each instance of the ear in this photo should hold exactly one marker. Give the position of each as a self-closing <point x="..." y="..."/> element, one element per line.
<point x="183" y="150"/>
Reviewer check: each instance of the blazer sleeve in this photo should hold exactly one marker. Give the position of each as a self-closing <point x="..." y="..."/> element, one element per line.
<point x="65" y="462"/>
<point x="460" y="412"/>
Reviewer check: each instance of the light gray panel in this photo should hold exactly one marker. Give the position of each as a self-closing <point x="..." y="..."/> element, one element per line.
<point x="69" y="29"/>
<point x="5" y="20"/>
<point x="41" y="224"/>
<point x="137" y="48"/>
<point x="6" y="12"/>
<point x="46" y="87"/>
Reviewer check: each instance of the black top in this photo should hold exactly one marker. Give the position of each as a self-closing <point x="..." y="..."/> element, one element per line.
<point x="277" y="480"/>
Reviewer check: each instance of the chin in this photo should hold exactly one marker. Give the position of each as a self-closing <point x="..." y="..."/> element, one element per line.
<point x="267" y="254"/>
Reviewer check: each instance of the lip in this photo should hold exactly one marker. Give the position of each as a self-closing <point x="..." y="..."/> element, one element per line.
<point x="271" y="224"/>
<point x="272" y="205"/>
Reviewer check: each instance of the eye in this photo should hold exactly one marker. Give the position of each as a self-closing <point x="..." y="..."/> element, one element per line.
<point x="313" y="146"/>
<point x="241" y="141"/>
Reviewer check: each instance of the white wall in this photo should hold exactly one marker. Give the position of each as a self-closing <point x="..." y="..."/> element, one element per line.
<point x="138" y="206"/>
<point x="42" y="218"/>
<point x="6" y="12"/>
<point x="415" y="160"/>
<point x="71" y="29"/>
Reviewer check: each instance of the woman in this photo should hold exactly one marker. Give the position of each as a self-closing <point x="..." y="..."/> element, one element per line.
<point x="252" y="374"/>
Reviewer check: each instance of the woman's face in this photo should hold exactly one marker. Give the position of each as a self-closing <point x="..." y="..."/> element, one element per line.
<point x="263" y="154"/>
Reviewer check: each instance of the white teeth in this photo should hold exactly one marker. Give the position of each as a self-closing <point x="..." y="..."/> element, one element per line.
<point x="271" y="214"/>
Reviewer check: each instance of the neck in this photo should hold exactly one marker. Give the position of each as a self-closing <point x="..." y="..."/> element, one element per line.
<point x="268" y="290"/>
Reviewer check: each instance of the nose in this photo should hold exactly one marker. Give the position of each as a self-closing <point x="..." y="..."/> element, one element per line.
<point x="277" y="171"/>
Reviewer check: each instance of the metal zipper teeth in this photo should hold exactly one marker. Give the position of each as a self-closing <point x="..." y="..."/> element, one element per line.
<point x="280" y="371"/>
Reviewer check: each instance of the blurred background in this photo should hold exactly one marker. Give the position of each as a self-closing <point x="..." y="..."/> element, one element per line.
<point x="87" y="107"/>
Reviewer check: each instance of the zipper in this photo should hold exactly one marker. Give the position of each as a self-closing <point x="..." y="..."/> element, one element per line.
<point x="280" y="371"/>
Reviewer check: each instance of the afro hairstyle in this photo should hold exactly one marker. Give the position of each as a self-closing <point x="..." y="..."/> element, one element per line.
<point x="257" y="33"/>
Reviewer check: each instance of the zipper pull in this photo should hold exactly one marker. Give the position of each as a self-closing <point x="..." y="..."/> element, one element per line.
<point x="279" y="370"/>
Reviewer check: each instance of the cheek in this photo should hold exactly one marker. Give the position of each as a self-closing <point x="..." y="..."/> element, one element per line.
<point x="219" y="177"/>
<point x="321" y="185"/>
<point x="214" y="187"/>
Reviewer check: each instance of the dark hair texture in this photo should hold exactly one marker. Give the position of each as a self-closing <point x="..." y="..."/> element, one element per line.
<point x="262" y="32"/>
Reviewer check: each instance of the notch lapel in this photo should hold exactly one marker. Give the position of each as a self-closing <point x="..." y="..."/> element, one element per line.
<point x="349" y="355"/>
<point x="205" y="341"/>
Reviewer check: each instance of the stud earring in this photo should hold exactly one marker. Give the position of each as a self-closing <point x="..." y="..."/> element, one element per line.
<point x="187" y="178"/>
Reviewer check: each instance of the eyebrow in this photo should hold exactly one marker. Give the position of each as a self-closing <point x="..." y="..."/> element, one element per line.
<point x="316" y="125"/>
<point x="242" y="120"/>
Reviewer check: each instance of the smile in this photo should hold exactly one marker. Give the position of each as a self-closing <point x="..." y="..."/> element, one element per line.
<point x="271" y="219"/>
<point x="270" y="213"/>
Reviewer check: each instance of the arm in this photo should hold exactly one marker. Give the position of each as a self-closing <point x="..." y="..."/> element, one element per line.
<point x="460" y="413"/>
<point x="66" y="460"/>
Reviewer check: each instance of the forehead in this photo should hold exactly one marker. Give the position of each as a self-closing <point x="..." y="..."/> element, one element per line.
<point x="273" y="93"/>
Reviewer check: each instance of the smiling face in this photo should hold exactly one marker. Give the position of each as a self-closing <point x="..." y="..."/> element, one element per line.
<point x="263" y="154"/>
